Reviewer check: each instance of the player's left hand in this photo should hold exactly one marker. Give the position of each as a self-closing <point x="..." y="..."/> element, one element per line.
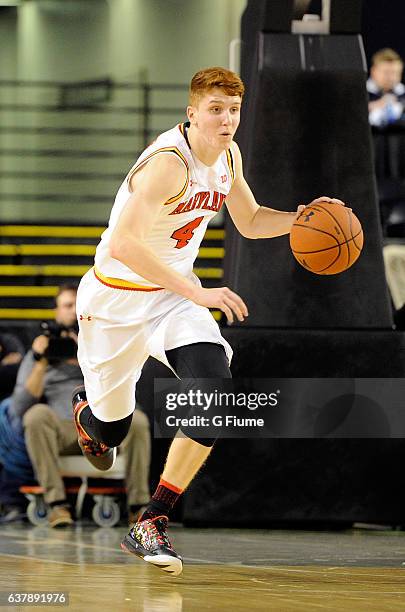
<point x="302" y="207"/>
<point x="327" y="199"/>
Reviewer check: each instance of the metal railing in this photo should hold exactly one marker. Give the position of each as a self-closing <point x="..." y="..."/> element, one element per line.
<point x="73" y="142"/>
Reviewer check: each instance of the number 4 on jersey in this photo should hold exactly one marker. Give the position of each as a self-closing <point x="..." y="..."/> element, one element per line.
<point x="184" y="234"/>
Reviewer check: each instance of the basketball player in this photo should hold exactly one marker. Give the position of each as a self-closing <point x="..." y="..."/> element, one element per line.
<point x="142" y="298"/>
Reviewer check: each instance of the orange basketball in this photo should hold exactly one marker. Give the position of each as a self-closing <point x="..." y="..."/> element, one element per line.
<point x="326" y="238"/>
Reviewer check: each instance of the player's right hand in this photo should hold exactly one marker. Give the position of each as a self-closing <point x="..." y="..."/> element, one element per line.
<point x="223" y="298"/>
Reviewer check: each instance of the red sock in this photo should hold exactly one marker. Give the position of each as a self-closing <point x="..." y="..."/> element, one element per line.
<point x="162" y="500"/>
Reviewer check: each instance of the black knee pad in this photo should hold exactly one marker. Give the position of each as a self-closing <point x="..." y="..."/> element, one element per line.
<point x="112" y="433"/>
<point x="199" y="360"/>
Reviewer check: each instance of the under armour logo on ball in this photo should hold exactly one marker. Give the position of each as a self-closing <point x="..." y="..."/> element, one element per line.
<point x="307" y="216"/>
<point x="85" y="317"/>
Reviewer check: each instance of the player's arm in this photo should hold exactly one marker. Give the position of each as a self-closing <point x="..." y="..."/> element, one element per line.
<point x="250" y="219"/>
<point x="161" y="179"/>
<point x="253" y="220"/>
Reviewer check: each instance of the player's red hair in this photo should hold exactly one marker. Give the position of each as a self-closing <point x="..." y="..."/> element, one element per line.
<point x="208" y="78"/>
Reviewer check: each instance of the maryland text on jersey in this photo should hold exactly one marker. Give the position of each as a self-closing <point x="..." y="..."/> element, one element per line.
<point x="203" y="199"/>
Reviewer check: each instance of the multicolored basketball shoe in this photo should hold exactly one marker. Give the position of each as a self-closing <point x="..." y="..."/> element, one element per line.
<point x="100" y="456"/>
<point x="148" y="540"/>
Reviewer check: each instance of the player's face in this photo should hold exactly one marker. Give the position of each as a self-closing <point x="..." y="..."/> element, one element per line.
<point x="216" y="117"/>
<point x="387" y="74"/>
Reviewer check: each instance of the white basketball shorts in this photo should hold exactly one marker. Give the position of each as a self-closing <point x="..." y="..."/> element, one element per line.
<point x="120" y="328"/>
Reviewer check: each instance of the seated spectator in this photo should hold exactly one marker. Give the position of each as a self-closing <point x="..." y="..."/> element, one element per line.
<point x="42" y="402"/>
<point x="386" y="92"/>
<point x="15" y="466"/>
<point x="18" y="469"/>
<point x="11" y="353"/>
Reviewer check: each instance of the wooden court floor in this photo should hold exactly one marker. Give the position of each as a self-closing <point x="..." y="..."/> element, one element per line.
<point x="225" y="569"/>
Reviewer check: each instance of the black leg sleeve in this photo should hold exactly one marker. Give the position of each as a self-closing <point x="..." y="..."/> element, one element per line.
<point x="200" y="360"/>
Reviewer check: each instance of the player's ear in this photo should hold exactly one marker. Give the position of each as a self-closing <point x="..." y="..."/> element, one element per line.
<point x="191" y="114"/>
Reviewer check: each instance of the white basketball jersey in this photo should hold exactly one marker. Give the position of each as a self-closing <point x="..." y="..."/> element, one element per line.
<point x="180" y="226"/>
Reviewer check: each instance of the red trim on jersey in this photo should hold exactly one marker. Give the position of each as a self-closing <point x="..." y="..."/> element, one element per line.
<point x="118" y="283"/>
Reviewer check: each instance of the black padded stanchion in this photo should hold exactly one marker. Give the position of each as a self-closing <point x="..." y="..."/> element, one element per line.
<point x="306" y="134"/>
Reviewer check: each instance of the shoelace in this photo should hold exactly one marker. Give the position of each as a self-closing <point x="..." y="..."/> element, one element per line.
<point x="154" y="531"/>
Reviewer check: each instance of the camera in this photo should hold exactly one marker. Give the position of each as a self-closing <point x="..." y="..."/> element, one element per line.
<point x="60" y="346"/>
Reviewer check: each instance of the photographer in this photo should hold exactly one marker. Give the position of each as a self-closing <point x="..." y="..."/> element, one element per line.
<point x="47" y="376"/>
<point x="42" y="401"/>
